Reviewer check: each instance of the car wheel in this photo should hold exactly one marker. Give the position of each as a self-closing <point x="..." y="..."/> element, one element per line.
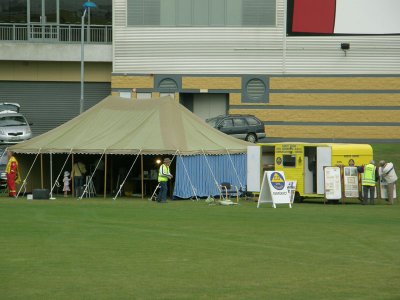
<point x="251" y="138"/>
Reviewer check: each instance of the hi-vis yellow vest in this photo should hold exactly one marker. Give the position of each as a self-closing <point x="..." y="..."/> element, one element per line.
<point x="368" y="177"/>
<point x="163" y="170"/>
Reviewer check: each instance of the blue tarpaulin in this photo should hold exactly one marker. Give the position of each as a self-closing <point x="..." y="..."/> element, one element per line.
<point x="198" y="170"/>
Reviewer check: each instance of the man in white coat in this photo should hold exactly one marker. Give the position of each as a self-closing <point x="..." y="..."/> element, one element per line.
<point x="388" y="174"/>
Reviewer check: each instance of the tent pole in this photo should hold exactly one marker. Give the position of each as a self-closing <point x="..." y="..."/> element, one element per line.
<point x="24" y="182"/>
<point x="73" y="175"/>
<point x="59" y="174"/>
<point x="112" y="175"/>
<point x="142" y="179"/>
<point x="126" y="177"/>
<point x="105" y="176"/>
<point x="41" y="170"/>
<point x="51" y="176"/>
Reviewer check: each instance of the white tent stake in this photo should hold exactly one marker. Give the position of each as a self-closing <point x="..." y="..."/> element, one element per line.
<point x="126" y="177"/>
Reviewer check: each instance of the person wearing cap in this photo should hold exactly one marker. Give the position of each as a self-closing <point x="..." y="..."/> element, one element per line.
<point x="12" y="174"/>
<point x="388" y="174"/>
<point x="66" y="181"/>
<point x="369" y="177"/>
<point x="163" y="175"/>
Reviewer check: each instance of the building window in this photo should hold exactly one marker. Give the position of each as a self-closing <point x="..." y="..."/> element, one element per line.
<point x="71" y="12"/>
<point x="127" y="95"/>
<point x="143" y="96"/>
<point x="289" y="161"/>
<point x="13" y="11"/>
<point x="208" y="13"/>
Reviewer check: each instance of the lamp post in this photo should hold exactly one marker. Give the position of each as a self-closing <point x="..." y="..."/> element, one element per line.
<point x="87" y="5"/>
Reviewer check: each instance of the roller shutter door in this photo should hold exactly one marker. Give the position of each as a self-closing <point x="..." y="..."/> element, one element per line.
<point x="210" y="105"/>
<point x="50" y="104"/>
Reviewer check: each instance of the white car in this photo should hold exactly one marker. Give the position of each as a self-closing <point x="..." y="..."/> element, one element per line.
<point x="14" y="128"/>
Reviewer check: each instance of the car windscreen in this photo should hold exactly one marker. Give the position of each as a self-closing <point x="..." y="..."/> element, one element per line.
<point x="7" y="121"/>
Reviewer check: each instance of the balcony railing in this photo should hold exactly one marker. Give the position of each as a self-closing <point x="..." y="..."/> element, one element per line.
<point x="58" y="33"/>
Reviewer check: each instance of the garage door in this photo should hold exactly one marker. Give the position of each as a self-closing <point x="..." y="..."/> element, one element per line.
<point x="209" y="105"/>
<point x="50" y="104"/>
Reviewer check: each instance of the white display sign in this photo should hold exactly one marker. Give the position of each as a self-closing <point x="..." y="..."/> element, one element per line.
<point x="351" y="187"/>
<point x="333" y="184"/>
<point x="274" y="189"/>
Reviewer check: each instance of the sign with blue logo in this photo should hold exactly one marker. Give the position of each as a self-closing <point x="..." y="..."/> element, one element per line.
<point x="274" y="189"/>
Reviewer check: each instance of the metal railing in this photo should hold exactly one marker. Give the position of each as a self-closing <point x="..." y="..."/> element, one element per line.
<point x="64" y="33"/>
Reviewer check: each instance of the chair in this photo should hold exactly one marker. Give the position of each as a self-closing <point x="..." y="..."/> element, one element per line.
<point x="229" y="190"/>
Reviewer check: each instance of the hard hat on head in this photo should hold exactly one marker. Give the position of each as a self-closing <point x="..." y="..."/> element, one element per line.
<point x="372" y="162"/>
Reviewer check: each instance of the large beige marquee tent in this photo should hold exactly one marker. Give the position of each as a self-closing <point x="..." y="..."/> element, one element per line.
<point x="138" y="127"/>
<point x="122" y="126"/>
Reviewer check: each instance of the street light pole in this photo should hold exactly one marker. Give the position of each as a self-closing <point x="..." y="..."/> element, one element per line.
<point x="86" y="5"/>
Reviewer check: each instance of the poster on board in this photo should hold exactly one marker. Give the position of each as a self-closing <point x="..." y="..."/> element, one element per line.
<point x="333" y="183"/>
<point x="350" y="180"/>
<point x="274" y="189"/>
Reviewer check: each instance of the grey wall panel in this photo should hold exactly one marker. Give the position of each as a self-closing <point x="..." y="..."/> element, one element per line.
<point x="50" y="104"/>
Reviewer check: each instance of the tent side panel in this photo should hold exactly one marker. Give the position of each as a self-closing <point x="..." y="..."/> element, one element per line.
<point x="203" y="171"/>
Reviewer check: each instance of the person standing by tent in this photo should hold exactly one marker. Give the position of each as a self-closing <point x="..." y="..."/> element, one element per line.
<point x="369" y="176"/>
<point x="388" y="174"/>
<point x="163" y="176"/>
<point x="78" y="171"/>
<point x="12" y="173"/>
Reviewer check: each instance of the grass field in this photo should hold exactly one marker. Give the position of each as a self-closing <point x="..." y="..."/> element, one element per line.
<point x="137" y="249"/>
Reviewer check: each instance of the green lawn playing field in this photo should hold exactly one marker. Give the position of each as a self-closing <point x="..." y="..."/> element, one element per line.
<point x="138" y="249"/>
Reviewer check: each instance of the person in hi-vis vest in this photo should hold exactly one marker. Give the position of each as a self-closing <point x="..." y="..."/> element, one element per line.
<point x="163" y="176"/>
<point x="369" y="177"/>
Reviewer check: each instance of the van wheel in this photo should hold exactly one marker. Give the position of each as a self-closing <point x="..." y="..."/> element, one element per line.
<point x="251" y="138"/>
<point x="298" y="198"/>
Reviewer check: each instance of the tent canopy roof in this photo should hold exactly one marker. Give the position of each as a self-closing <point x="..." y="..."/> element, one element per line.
<point x="120" y="126"/>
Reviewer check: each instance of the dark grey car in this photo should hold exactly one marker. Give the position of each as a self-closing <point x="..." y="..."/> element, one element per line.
<point x="245" y="127"/>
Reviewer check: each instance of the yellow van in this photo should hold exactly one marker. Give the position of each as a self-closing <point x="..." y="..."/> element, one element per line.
<point x="303" y="162"/>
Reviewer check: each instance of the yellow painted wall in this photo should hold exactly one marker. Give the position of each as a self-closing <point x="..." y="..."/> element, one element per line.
<point x="335" y="132"/>
<point x="130" y="82"/>
<point x="215" y="83"/>
<point x="321" y="115"/>
<point x="54" y="71"/>
<point x="335" y="83"/>
<point x="334" y="99"/>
